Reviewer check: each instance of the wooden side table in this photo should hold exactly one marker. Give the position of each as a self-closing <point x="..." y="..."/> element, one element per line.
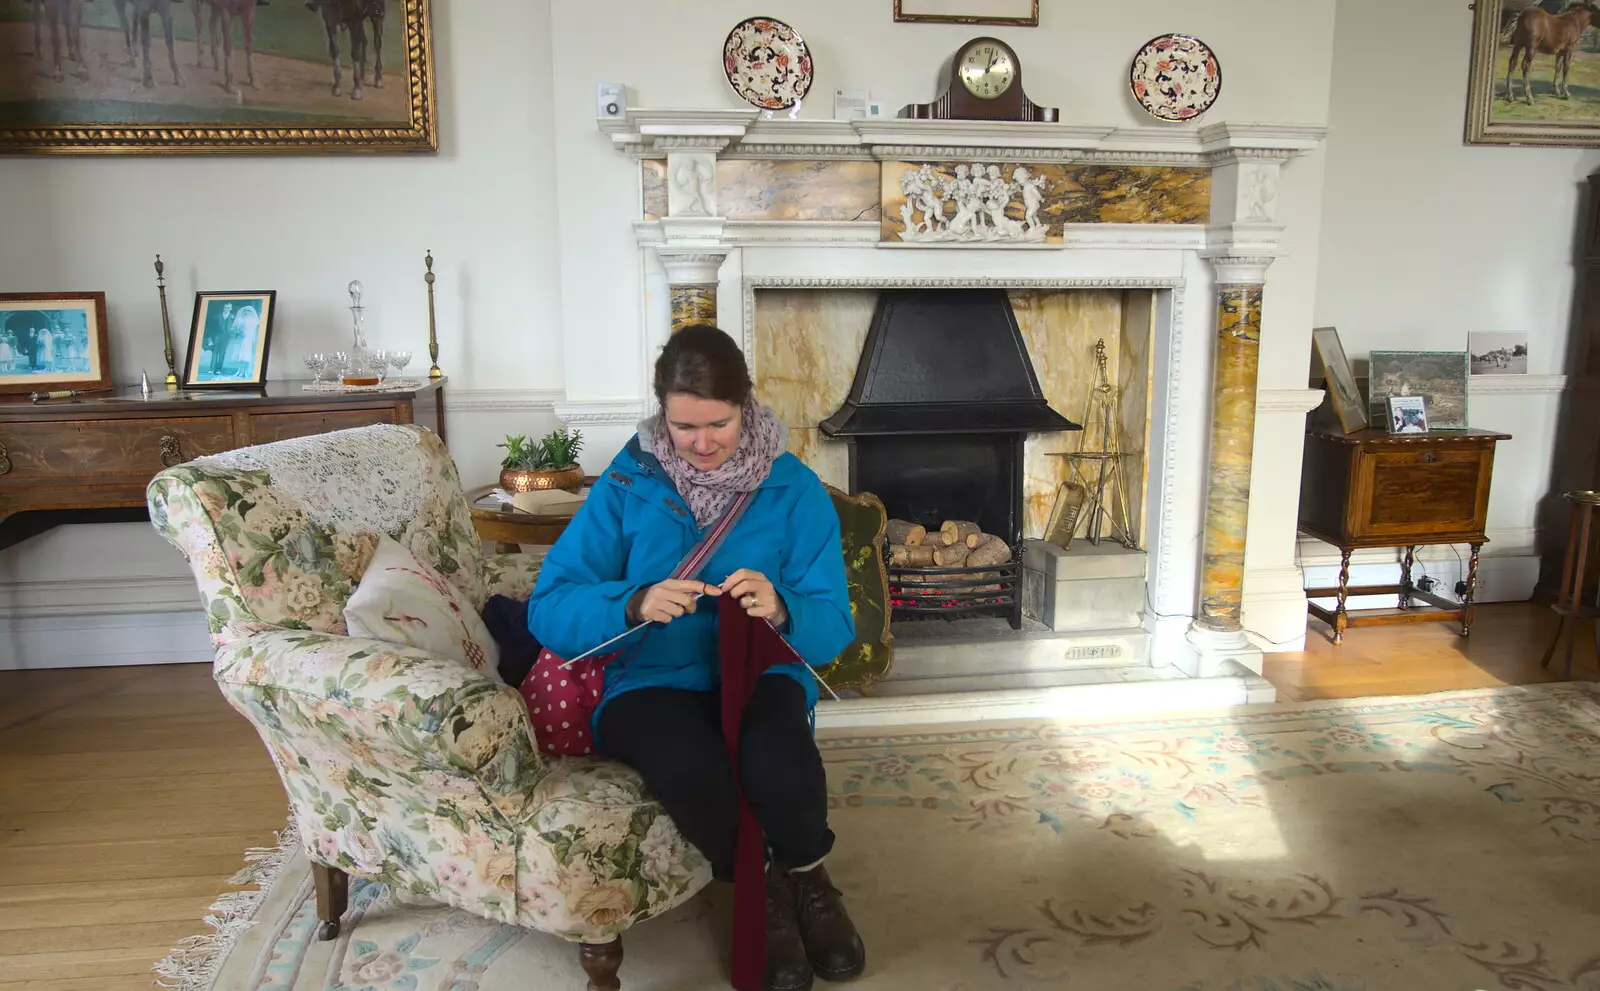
<point x="510" y="528"/>
<point x="1376" y="489"/>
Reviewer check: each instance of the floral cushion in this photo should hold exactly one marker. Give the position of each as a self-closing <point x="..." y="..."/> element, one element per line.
<point x="262" y="561"/>
<point x="403" y="601"/>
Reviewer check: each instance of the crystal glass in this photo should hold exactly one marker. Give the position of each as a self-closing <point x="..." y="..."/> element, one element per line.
<point x="317" y="362"/>
<point x="379" y="359"/>
<point x="398" y="360"/>
<point x="338" y="361"/>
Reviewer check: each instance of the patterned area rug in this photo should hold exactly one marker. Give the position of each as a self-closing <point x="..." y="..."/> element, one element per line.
<point x="1447" y="841"/>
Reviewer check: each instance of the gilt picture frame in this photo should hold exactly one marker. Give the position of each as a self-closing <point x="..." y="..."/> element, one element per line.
<point x="1559" y="105"/>
<point x="83" y="84"/>
<point x="1005" y="13"/>
<point x="53" y="341"/>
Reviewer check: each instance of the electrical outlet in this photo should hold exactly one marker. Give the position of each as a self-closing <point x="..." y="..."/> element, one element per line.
<point x="1461" y="589"/>
<point x="1427" y="583"/>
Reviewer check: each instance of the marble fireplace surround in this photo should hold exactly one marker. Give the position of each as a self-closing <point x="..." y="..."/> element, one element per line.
<point x="1207" y="280"/>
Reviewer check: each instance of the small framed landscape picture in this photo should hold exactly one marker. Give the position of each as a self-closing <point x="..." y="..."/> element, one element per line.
<point x="1339" y="380"/>
<point x="1439" y="376"/>
<point x="1408" y="415"/>
<point x="229" y="339"/>
<point x="1498" y="353"/>
<point x="53" y="341"/>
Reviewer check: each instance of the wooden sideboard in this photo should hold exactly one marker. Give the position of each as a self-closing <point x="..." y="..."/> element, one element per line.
<point x="99" y="452"/>
<point x="1375" y="489"/>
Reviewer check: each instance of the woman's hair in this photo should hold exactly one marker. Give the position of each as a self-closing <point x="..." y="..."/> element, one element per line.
<point x="702" y="361"/>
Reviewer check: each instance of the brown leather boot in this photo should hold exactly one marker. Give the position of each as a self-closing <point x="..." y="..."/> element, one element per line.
<point x="832" y="944"/>
<point x="787" y="966"/>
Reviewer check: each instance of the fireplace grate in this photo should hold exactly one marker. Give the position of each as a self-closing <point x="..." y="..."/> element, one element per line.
<point x="957" y="593"/>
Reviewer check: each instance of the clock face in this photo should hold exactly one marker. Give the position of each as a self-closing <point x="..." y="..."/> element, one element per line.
<point x="987" y="70"/>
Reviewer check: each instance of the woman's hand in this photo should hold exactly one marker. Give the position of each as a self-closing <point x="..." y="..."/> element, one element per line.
<point x="665" y="601"/>
<point x="756" y="596"/>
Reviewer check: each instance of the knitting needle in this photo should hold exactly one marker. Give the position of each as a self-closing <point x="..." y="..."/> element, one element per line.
<point x="595" y="650"/>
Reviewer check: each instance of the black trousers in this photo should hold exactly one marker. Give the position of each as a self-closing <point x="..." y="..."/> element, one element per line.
<point x="673" y="738"/>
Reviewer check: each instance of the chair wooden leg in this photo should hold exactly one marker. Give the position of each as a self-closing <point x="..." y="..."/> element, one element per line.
<point x="333" y="897"/>
<point x="601" y="961"/>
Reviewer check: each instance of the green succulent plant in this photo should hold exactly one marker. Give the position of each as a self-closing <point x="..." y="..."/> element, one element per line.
<point x="554" y="451"/>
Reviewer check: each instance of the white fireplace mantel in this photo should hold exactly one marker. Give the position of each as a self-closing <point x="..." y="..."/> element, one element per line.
<point x="653" y="133"/>
<point x="1181" y="263"/>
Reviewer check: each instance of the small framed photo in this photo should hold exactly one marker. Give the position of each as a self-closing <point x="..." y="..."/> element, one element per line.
<point x="1408" y="415"/>
<point x="1008" y="13"/>
<point x="1339" y="380"/>
<point x="53" y="340"/>
<point x="1498" y="353"/>
<point x="229" y="339"/>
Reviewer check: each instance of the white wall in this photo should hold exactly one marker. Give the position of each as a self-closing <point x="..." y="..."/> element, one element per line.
<point x="306" y="226"/>
<point x="1425" y="238"/>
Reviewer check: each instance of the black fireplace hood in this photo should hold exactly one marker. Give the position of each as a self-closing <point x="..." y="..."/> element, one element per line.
<point x="942" y="361"/>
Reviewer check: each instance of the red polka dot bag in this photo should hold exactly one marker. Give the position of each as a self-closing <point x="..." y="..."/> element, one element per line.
<point x="562" y="695"/>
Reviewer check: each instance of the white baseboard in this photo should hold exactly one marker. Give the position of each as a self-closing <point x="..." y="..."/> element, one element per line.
<point x="95" y="641"/>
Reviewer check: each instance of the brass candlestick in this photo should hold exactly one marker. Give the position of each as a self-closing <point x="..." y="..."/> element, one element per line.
<point x="433" y="330"/>
<point x="166" y="325"/>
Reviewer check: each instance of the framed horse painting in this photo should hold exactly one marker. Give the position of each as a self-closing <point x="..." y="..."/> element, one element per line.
<point x="172" y="76"/>
<point x="1535" y="77"/>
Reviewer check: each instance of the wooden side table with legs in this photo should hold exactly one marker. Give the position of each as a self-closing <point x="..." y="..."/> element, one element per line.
<point x="510" y="528"/>
<point x="1375" y="489"/>
<point x="1569" y="604"/>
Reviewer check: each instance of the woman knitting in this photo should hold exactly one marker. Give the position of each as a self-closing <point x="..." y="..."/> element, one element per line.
<point x="660" y="712"/>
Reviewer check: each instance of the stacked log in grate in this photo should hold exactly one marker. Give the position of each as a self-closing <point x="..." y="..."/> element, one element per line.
<point x="955" y="571"/>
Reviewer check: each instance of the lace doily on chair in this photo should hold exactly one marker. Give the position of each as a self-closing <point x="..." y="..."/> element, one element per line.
<point x="367" y="478"/>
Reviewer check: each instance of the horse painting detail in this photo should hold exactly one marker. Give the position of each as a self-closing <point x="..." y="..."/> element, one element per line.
<point x="352" y="15"/>
<point x="1537" y="31"/>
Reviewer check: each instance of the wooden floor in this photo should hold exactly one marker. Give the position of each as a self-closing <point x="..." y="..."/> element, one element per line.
<point x="1506" y="644"/>
<point x="127" y="799"/>
<point x="129" y="795"/>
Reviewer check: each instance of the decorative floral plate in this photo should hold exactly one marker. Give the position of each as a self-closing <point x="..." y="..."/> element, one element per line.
<point x="767" y="63"/>
<point x="1175" y="77"/>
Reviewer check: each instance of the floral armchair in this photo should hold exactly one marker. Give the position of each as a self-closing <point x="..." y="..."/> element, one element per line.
<point x="403" y="766"/>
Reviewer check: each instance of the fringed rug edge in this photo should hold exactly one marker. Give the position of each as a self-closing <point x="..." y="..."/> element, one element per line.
<point x="195" y="962"/>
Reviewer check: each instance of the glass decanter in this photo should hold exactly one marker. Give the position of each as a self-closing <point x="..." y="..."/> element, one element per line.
<point x="361" y="369"/>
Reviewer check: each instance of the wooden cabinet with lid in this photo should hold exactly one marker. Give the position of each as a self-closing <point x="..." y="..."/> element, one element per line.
<point x="1375" y="489"/>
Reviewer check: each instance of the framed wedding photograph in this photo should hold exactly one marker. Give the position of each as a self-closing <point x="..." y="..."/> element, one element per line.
<point x="229" y="339"/>
<point x="1007" y="13"/>
<point x="53" y="341"/>
<point x="1407" y="415"/>
<point x="1340" y="381"/>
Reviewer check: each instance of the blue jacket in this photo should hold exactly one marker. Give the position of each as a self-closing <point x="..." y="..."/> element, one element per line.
<point x="633" y="530"/>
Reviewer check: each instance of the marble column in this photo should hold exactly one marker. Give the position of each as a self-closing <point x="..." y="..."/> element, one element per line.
<point x="692" y="285"/>
<point x="1233" y="428"/>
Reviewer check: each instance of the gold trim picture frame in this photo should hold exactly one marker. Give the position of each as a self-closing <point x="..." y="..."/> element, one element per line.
<point x="1551" y="109"/>
<point x="230" y="339"/>
<point x="86" y="89"/>
<point x="1005" y="13"/>
<point x="53" y="341"/>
